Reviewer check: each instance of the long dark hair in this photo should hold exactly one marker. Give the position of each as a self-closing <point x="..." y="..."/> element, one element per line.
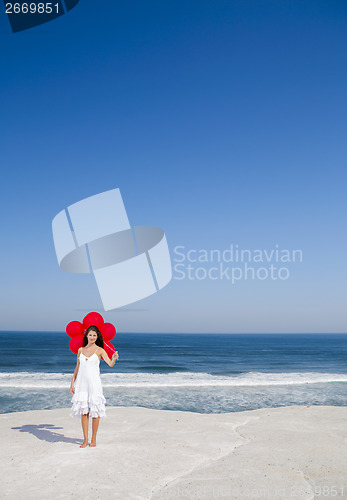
<point x="99" y="341"/>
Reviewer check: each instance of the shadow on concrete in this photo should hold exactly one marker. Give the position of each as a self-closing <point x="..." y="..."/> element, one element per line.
<point x="46" y="432"/>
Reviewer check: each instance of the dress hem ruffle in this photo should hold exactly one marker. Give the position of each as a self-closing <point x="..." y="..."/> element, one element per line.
<point x="94" y="405"/>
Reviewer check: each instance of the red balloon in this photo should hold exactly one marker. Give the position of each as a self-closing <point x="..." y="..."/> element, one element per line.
<point x="75" y="343"/>
<point x="74" y="328"/>
<point x="93" y="319"/>
<point x="109" y="348"/>
<point x="108" y="331"/>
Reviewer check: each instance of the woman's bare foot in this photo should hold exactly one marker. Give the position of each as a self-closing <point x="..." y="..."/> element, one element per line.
<point x="84" y="444"/>
<point x="92" y="444"/>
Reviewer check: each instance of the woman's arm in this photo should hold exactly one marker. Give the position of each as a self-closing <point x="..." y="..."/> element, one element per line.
<point x="75" y="372"/>
<point x="111" y="362"/>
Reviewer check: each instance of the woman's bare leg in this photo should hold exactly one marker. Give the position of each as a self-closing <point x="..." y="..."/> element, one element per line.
<point x="95" y="426"/>
<point x="85" y="424"/>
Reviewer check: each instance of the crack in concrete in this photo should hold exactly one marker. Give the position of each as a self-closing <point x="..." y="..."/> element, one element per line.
<point x="206" y="462"/>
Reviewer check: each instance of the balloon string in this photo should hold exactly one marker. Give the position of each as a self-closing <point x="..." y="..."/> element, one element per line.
<point x="111" y="347"/>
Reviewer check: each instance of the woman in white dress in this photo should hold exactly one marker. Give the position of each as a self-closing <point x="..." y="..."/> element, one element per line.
<point x="88" y="399"/>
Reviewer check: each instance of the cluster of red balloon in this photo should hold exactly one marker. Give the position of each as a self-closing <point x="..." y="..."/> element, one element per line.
<point x="76" y="331"/>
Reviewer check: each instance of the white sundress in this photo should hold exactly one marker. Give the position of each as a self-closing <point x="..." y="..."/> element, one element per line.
<point x="88" y="397"/>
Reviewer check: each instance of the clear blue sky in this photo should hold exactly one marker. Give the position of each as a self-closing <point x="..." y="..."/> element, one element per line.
<point x="223" y="122"/>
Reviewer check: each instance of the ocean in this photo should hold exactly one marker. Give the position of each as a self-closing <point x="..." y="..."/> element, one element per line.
<point x="205" y="373"/>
